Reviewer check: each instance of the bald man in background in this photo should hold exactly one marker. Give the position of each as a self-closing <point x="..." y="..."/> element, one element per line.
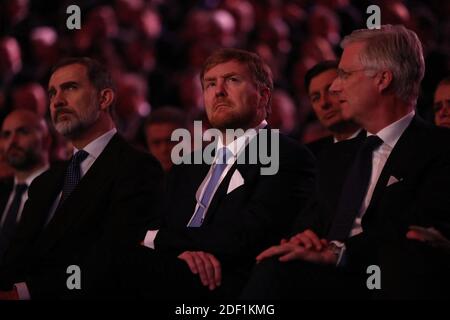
<point x="26" y="142"/>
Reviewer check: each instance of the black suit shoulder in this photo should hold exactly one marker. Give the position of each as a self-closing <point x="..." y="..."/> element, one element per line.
<point x="318" y="146"/>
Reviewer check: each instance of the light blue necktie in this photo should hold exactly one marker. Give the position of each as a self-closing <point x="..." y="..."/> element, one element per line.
<point x="223" y="155"/>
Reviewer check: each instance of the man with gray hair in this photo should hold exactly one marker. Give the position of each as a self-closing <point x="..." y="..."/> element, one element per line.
<point x="372" y="190"/>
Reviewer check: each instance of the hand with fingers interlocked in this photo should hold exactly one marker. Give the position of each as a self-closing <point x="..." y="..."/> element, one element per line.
<point x="305" y="246"/>
<point x="205" y="265"/>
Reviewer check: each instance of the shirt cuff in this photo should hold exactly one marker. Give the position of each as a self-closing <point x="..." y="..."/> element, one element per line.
<point x="22" y="291"/>
<point x="340" y="255"/>
<point x="149" y="240"/>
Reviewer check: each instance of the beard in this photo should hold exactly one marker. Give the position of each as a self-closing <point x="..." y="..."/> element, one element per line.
<point x="22" y="159"/>
<point x="230" y="119"/>
<point x="75" y="123"/>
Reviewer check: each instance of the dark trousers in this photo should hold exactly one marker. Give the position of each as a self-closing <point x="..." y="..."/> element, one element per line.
<point x="148" y="274"/>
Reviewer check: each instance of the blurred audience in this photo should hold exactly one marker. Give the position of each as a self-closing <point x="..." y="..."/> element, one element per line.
<point x="158" y="131"/>
<point x="283" y="115"/>
<point x="165" y="43"/>
<point x="441" y="104"/>
<point x="132" y="106"/>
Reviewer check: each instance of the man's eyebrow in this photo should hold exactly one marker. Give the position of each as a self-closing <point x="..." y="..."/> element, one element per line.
<point x="209" y="79"/>
<point x="314" y="92"/>
<point x="230" y="74"/>
<point x="68" y="84"/>
<point x="226" y="75"/>
<point x="63" y="85"/>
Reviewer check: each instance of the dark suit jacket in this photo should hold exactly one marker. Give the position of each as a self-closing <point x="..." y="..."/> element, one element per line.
<point x="6" y="187"/>
<point x="106" y="213"/>
<point x="318" y="146"/>
<point x="421" y="163"/>
<point x="242" y="223"/>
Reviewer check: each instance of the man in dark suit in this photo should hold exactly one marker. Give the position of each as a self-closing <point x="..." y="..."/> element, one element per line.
<point x="26" y="142"/>
<point x="326" y="106"/>
<point x="220" y="216"/>
<point x="372" y="191"/>
<point x="81" y="213"/>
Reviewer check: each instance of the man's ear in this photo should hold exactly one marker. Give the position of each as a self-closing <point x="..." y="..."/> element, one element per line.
<point x="265" y="96"/>
<point x="384" y="80"/>
<point x="107" y="97"/>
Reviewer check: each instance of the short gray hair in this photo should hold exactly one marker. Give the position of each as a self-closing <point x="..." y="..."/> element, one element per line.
<point x="396" y="48"/>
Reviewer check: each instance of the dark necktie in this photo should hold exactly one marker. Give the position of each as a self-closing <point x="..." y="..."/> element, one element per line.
<point x="73" y="174"/>
<point x="8" y="229"/>
<point x="354" y="190"/>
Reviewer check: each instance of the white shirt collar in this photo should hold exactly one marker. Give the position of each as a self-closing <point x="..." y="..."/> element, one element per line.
<point x="392" y="132"/>
<point x="95" y="147"/>
<point x="32" y="176"/>
<point x="237" y="145"/>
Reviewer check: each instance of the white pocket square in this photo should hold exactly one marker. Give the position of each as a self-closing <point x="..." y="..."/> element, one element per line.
<point x="236" y="181"/>
<point x="393" y="180"/>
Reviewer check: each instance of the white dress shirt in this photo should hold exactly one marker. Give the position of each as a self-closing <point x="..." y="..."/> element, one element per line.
<point x="235" y="147"/>
<point x="390" y="136"/>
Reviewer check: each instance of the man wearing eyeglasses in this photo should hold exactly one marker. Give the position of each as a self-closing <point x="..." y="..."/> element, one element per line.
<point x="372" y="191"/>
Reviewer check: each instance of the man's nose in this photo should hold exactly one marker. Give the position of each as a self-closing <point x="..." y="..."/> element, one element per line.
<point x="335" y="85"/>
<point x="220" y="89"/>
<point x="445" y="111"/>
<point x="59" y="100"/>
<point x="325" y="102"/>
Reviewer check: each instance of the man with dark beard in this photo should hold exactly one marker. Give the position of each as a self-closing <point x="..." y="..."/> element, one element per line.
<point x="82" y="213"/>
<point x="26" y="142"/>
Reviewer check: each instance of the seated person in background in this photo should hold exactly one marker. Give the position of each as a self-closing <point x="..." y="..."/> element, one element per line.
<point x="158" y="129"/>
<point x="26" y="141"/>
<point x="441" y="104"/>
<point x="326" y="106"/>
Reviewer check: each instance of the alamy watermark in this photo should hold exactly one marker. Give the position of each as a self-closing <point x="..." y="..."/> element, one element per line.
<point x="263" y="146"/>
<point x="374" y="280"/>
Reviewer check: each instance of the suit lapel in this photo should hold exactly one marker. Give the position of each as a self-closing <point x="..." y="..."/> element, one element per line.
<point x="401" y="159"/>
<point x="41" y="198"/>
<point x="85" y="194"/>
<point x="247" y="170"/>
<point x="6" y="187"/>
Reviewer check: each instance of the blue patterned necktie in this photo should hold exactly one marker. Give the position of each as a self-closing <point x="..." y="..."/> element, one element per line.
<point x="354" y="190"/>
<point x="8" y="229"/>
<point x="223" y="155"/>
<point x="73" y="174"/>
